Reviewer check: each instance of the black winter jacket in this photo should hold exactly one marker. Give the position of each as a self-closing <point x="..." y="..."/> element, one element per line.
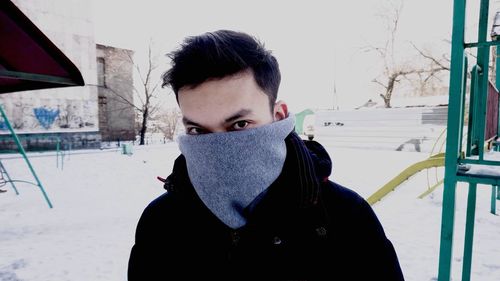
<point x="304" y="228"/>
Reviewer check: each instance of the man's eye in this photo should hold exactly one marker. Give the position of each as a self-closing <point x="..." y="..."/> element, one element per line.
<point x="194" y="131"/>
<point x="240" y="125"/>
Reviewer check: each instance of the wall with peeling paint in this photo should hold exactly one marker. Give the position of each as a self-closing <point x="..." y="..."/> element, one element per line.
<point x="71" y="110"/>
<point x="116" y="96"/>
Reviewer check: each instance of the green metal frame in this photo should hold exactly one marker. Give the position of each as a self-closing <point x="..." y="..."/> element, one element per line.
<point x="453" y="139"/>
<point x="475" y="148"/>
<point x="4" y="171"/>
<point x="23" y="153"/>
<point x="494" y="194"/>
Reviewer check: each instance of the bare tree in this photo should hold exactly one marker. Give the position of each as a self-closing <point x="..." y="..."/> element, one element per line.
<point x="146" y="94"/>
<point x="392" y="70"/>
<point x="430" y="79"/>
<point x="442" y="63"/>
<point x="145" y="101"/>
<point x="169" y="121"/>
<point x="396" y="69"/>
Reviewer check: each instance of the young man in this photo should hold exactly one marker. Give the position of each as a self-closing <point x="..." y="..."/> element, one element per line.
<point x="248" y="199"/>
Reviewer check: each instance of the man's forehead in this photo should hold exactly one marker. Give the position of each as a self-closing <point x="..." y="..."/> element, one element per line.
<point x="244" y="74"/>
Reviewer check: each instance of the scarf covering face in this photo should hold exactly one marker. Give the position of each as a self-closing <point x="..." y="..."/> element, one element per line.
<point x="229" y="170"/>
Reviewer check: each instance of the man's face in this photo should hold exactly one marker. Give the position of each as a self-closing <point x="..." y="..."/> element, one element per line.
<point x="232" y="103"/>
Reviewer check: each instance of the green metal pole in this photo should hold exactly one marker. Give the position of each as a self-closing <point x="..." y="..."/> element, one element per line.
<point x="469" y="232"/>
<point x="453" y="138"/>
<point x="471" y="132"/>
<point x="57" y="153"/>
<point x="493" y="209"/>
<point x="483" y="54"/>
<point x="62" y="154"/>
<point x="8" y="177"/>
<point x="462" y="109"/>
<point x="447" y="224"/>
<point x="483" y="57"/>
<point x="498" y="193"/>
<point x="69" y="149"/>
<point x="23" y="153"/>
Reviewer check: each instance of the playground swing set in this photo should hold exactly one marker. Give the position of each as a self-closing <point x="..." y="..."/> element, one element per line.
<point x="29" y="61"/>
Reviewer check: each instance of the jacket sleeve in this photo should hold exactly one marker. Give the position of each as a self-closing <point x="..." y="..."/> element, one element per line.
<point x="141" y="253"/>
<point x="366" y="253"/>
<point x="148" y="255"/>
<point x="380" y="259"/>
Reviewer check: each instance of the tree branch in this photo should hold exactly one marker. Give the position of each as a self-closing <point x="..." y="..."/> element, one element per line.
<point x="137" y="68"/>
<point x="380" y="83"/>
<point x="435" y="61"/>
<point x="120" y="97"/>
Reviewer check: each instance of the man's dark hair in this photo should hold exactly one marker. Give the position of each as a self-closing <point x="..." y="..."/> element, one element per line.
<point x="215" y="55"/>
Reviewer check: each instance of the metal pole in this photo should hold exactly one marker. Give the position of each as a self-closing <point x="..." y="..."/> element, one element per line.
<point x="469" y="232"/>
<point x="453" y="140"/>
<point x="471" y="132"/>
<point x="8" y="177"/>
<point x="57" y="153"/>
<point x="493" y="208"/>
<point x="483" y="54"/>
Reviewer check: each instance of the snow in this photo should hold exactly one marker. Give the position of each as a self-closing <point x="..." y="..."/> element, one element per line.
<point x="480" y="169"/>
<point x="100" y="194"/>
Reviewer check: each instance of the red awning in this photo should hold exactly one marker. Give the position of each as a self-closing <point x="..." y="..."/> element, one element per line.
<point x="28" y="59"/>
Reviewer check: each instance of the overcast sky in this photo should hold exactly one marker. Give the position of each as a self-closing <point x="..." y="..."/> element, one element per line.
<point x="317" y="43"/>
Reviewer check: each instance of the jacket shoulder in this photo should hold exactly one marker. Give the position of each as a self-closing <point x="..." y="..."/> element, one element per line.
<point x="154" y="217"/>
<point x="333" y="192"/>
<point x="358" y="227"/>
<point x="347" y="207"/>
<point x="160" y="204"/>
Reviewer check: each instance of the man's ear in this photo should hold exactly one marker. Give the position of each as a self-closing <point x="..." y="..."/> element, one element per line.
<point x="280" y="111"/>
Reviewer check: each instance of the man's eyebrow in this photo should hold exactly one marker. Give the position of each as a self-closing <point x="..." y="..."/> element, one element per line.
<point x="189" y="122"/>
<point x="239" y="114"/>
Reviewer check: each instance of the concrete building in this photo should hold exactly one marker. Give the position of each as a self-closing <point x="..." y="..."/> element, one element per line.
<point x="76" y="117"/>
<point x="115" y="93"/>
<point x="69" y="114"/>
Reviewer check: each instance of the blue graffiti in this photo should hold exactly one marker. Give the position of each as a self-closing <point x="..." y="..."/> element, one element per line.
<point x="3" y="126"/>
<point x="46" y="116"/>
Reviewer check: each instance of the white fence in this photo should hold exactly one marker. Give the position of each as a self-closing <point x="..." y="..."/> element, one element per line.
<point x="409" y="129"/>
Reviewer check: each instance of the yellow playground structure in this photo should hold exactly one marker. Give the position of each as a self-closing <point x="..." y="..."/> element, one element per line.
<point x="435" y="160"/>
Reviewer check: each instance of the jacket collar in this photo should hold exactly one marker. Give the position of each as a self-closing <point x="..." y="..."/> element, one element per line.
<point x="295" y="195"/>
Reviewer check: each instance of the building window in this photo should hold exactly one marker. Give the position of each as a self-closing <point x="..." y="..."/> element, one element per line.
<point x="101" y="73"/>
<point x="102" y="101"/>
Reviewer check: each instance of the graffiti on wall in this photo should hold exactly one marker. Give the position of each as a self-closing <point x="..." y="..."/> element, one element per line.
<point x="46" y="116"/>
<point x="3" y="125"/>
<point x="21" y="114"/>
<point x="76" y="114"/>
<point x="69" y="117"/>
<point x="50" y="115"/>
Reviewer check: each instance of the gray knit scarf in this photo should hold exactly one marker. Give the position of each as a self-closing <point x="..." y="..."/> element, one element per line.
<point x="229" y="170"/>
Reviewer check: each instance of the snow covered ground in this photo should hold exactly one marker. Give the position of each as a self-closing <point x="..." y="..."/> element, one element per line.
<point x="99" y="196"/>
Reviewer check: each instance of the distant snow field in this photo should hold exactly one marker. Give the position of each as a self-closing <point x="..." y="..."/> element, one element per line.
<point x="100" y="194"/>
